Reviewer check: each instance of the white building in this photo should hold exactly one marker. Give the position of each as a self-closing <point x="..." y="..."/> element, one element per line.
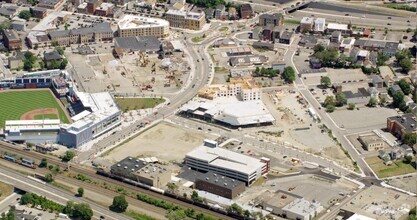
<point x="320" y="25"/>
<point x="301" y="209"/>
<point x="344" y="28"/>
<point x="132" y="25"/>
<point x="230" y="111"/>
<point x="101" y="114"/>
<point x="244" y="89"/>
<point x="33" y="131"/>
<point x="210" y="157"/>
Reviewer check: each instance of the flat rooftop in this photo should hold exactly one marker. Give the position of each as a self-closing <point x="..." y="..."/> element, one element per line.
<point x="381" y="203"/>
<point x="133" y="22"/>
<point x="220" y="180"/>
<point x="408" y="121"/>
<point x="335" y="26"/>
<point x="226" y="159"/>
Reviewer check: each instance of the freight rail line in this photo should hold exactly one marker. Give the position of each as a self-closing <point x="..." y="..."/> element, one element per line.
<point x="92" y="174"/>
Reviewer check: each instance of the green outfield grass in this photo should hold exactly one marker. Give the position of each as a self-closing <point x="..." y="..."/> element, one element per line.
<point x="16" y="103"/>
<point x="138" y="103"/>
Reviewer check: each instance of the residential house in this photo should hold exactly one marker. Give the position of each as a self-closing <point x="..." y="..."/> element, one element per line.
<point x="395" y="88"/>
<point x="246" y="11"/>
<point x="220" y="13"/>
<point x="315" y="63"/>
<point x="391" y="48"/>
<point x="16" y="61"/>
<point x="306" y="24"/>
<point x="271" y="19"/>
<point x="377" y="81"/>
<point x="362" y="96"/>
<point x="286" y="37"/>
<point x="232" y="13"/>
<point x="336" y="37"/>
<point x="11" y="39"/>
<point x="9" y="11"/>
<point x="209" y="13"/>
<point x="39" y="12"/>
<point x="52" y="57"/>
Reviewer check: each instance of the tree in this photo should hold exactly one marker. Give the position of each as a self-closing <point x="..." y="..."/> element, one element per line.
<point x="405" y="87"/>
<point x="407" y="159"/>
<point x="406" y="64"/>
<point x="49" y="178"/>
<point x="5" y="25"/>
<point x="318" y="48"/>
<point x="330" y="108"/>
<point x="341" y="99"/>
<point x="178" y="214"/>
<point x="372" y="102"/>
<point x="27" y="65"/>
<point x="247" y="213"/>
<point x="329" y="100"/>
<point x="289" y="74"/>
<point x="82" y="211"/>
<point x="80" y="192"/>
<point x="44" y="163"/>
<point x="41" y="64"/>
<point x="381" y="59"/>
<point x="235" y="208"/>
<point x="119" y="204"/>
<point x="172" y="187"/>
<point x="25" y="14"/>
<point x="325" y="81"/>
<point x="398" y="98"/>
<point x="195" y="197"/>
<point x="60" y="50"/>
<point x="410" y="139"/>
<point x="351" y="106"/>
<point x="68" y="155"/>
<point x="63" y="64"/>
<point x="54" y="44"/>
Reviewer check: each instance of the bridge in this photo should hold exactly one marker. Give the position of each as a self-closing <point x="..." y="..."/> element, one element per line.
<point x="297" y="6"/>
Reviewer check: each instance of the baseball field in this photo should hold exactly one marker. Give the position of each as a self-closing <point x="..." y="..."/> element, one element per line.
<point x="30" y="105"/>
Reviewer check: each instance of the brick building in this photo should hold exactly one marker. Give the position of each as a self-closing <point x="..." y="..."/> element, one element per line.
<point x="11" y="39"/>
<point x="400" y="125"/>
<point x="219" y="185"/>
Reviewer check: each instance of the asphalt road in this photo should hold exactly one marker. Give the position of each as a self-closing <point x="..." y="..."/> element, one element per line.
<point x="61" y="196"/>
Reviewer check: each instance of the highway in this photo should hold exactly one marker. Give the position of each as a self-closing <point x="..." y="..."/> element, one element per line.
<point x="61" y="196"/>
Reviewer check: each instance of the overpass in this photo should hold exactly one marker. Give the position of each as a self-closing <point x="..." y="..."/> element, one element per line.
<point x="297" y="6"/>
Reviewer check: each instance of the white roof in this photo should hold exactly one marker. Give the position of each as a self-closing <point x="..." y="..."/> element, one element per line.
<point x="226" y="159"/>
<point x="188" y="15"/>
<point x="320" y="20"/>
<point x="177" y="45"/>
<point x="80" y="115"/>
<point x="49" y="22"/>
<point x="359" y="217"/>
<point x="335" y="26"/>
<point x="363" y="53"/>
<point x="231" y="111"/>
<point x="19" y="125"/>
<point x="306" y="20"/>
<point x="133" y="21"/>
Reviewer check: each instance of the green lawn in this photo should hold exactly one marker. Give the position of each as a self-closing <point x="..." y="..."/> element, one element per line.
<point x="395" y="169"/>
<point x="224" y="29"/>
<point x="46" y="116"/>
<point x="289" y="21"/>
<point x="138" y="103"/>
<point x="197" y="39"/>
<point x="15" y="103"/>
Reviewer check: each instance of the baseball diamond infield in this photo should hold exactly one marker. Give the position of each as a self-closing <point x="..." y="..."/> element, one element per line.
<point x="30" y="104"/>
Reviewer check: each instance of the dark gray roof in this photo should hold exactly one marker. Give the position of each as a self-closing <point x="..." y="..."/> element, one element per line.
<point x="127" y="166"/>
<point x="286" y="35"/>
<point x="11" y="34"/>
<point x="375" y="43"/>
<point x="408" y="121"/>
<point x="248" y="59"/>
<point x="63" y="33"/>
<point x="144" y="43"/>
<point x="395" y="88"/>
<point x="245" y="7"/>
<point x="18" y="56"/>
<point x="95" y="28"/>
<point x="359" y="43"/>
<point x="7" y="12"/>
<point x="42" y="38"/>
<point x="271" y="16"/>
<point x="376" y="79"/>
<point x="54" y="55"/>
<point x="38" y="9"/>
<point x="220" y="180"/>
<point x="336" y="34"/>
<point x="362" y="92"/>
<point x="308" y="39"/>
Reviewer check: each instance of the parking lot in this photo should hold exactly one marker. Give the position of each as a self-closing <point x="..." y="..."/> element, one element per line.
<point x="365" y="118"/>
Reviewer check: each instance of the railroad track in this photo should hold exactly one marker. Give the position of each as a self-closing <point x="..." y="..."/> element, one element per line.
<point x="92" y="174"/>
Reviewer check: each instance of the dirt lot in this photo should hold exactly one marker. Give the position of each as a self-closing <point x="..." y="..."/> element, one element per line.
<point x="5" y="190"/>
<point x="160" y="141"/>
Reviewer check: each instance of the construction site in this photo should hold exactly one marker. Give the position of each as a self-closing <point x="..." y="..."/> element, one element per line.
<point x="134" y="73"/>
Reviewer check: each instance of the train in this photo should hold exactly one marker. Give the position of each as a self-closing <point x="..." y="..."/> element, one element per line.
<point x="22" y="161"/>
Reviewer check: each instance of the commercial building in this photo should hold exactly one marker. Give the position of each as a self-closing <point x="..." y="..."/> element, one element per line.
<point x="127" y="167"/>
<point x="246" y="11"/>
<point x="146" y="44"/>
<point x="131" y="26"/>
<point x="96" y="114"/>
<point x="187" y="20"/>
<point x="362" y="96"/>
<point x="379" y="203"/>
<point x="99" y="32"/>
<point x="243" y="88"/>
<point x="401" y="125"/>
<point x="343" y="28"/>
<point x="271" y="19"/>
<point x="104" y="9"/>
<point x="210" y="157"/>
<point x="18" y="24"/>
<point x="306" y="24"/>
<point x="229" y="111"/>
<point x="248" y="60"/>
<point x="50" y="4"/>
<point x="219" y="185"/>
<point x="371" y="142"/>
<point x="155" y="175"/>
<point x="33" y="131"/>
<point x="39" y="12"/>
<point x="320" y="25"/>
<point x="11" y="39"/>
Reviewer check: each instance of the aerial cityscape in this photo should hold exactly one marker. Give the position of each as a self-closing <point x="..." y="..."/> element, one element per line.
<point x="208" y="109"/>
